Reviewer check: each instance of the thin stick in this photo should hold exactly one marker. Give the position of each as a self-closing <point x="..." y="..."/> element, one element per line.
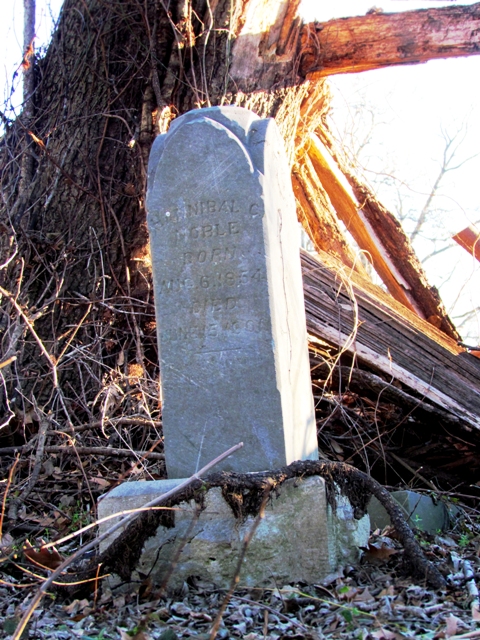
<point x="100" y="451"/>
<point x="42" y="435"/>
<point x="7" y="489"/>
<point x="29" y="324"/>
<point x="153" y="503"/>
<point x="248" y="538"/>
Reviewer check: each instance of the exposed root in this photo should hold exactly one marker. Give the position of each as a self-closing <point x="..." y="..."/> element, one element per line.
<point x="244" y="493"/>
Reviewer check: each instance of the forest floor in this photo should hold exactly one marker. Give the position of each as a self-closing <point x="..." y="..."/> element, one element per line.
<point x="50" y="493"/>
<point x="375" y="599"/>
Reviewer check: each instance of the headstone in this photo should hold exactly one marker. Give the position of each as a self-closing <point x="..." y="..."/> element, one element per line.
<point x="420" y="511"/>
<point x="234" y="359"/>
<point x="228" y="295"/>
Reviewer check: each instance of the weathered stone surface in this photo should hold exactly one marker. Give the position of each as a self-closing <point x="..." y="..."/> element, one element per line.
<point x="298" y="539"/>
<point x="228" y="294"/>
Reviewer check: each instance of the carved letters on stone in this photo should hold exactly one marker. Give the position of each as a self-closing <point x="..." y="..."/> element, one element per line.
<point x="228" y="294"/>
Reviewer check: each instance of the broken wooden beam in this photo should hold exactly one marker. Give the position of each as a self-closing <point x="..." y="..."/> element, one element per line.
<point x="350" y="213"/>
<point x="469" y="239"/>
<point x="380" y="40"/>
<point x="359" y="318"/>
<point x="380" y="236"/>
<point x="318" y="218"/>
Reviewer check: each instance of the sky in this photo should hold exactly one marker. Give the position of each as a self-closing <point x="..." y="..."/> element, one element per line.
<point x="398" y="116"/>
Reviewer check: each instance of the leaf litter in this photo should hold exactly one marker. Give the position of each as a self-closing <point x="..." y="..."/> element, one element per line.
<point x="376" y="599"/>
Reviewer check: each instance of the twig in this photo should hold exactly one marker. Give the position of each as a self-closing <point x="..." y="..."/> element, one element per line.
<point x="29" y="324"/>
<point x="413" y="472"/>
<point x="100" y="451"/>
<point x="246" y="542"/>
<point x="143" y="422"/>
<point x="7" y="488"/>
<point x="42" y="434"/>
<point x="124" y="521"/>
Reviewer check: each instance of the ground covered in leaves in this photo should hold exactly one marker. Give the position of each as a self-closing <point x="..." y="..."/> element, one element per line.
<point x="53" y="475"/>
<point x="375" y="599"/>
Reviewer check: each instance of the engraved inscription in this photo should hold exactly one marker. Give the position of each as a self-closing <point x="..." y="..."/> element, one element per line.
<point x="227" y="326"/>
<point x="216" y="230"/>
<point x="203" y="208"/>
<point x="216" y="255"/>
<point x="215" y="305"/>
<point x="211" y="259"/>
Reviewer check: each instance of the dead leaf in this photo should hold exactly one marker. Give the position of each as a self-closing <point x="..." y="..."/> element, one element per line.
<point x="475" y="612"/>
<point x="48" y="467"/>
<point x="100" y="481"/>
<point x="6" y="546"/>
<point x="385" y="634"/>
<point x="75" y="606"/>
<point x="451" y="625"/>
<point x="364" y="596"/>
<point x="140" y="635"/>
<point x="377" y="553"/>
<point x="45" y="558"/>
<point x="347" y="593"/>
<point x="119" y="601"/>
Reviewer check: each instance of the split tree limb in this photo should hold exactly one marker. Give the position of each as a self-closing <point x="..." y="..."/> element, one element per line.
<point x="381" y="40"/>
<point x="318" y="217"/>
<point x="378" y="233"/>
<point x="393" y="240"/>
<point x="351" y="214"/>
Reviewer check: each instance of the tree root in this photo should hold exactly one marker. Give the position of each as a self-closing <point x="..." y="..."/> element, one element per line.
<point x="244" y="493"/>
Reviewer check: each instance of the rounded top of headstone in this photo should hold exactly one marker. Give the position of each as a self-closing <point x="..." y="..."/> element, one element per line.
<point x="236" y="119"/>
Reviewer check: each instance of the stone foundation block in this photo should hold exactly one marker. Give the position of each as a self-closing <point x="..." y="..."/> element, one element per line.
<point x="298" y="539"/>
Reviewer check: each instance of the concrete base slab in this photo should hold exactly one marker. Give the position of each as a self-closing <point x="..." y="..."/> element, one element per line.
<point x="298" y="539"/>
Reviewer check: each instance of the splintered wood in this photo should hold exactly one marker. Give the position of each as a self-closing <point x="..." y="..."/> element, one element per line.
<point x="381" y="39"/>
<point x="359" y="318"/>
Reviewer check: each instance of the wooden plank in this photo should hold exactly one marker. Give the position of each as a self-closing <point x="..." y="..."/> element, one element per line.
<point x="350" y="213"/>
<point x="384" y="39"/>
<point x="469" y="239"/>
<point x="359" y="318"/>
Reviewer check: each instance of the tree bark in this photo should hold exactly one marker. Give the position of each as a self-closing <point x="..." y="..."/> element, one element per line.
<point x="383" y="39"/>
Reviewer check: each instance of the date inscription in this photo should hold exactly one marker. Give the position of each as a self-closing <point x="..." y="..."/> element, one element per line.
<point x="194" y="332"/>
<point x="214" y="280"/>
